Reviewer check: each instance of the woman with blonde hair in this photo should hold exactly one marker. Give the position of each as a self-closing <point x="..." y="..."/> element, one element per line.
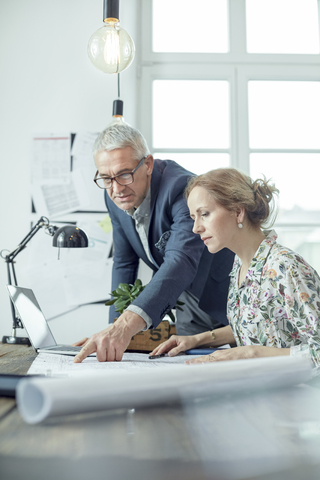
<point x="274" y="295"/>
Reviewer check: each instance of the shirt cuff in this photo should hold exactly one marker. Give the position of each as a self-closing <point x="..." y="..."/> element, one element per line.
<point x="143" y="315"/>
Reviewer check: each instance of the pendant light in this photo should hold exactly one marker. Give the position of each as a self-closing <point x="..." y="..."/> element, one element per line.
<point x="117" y="113"/>
<point x="110" y="48"/>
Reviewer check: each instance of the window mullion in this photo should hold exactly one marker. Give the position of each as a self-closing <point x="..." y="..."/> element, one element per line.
<point x="237" y="27"/>
<point x="241" y="160"/>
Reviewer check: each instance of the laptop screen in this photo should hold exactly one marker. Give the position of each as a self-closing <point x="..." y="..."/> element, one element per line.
<point x="31" y="316"/>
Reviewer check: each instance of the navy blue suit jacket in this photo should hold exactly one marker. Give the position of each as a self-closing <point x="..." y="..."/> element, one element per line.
<point x="181" y="260"/>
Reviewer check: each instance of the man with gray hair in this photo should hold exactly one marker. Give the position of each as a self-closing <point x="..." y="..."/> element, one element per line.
<point x="151" y="221"/>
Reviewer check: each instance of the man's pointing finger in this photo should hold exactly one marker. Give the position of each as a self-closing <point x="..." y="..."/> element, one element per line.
<point x="84" y="352"/>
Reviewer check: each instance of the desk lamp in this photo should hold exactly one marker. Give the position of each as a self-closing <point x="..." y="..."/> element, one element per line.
<point x="68" y="236"/>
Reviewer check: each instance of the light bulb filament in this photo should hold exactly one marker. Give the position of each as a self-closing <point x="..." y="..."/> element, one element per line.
<point x="111" y="52"/>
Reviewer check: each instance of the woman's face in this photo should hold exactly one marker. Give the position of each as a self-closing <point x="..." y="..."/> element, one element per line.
<point x="217" y="226"/>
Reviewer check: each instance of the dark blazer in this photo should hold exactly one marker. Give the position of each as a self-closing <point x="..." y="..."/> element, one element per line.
<point x="181" y="260"/>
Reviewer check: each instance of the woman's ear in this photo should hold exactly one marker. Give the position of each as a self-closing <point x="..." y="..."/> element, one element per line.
<point x="240" y="214"/>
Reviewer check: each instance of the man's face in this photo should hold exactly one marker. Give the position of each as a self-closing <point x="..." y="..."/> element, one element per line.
<point x="122" y="160"/>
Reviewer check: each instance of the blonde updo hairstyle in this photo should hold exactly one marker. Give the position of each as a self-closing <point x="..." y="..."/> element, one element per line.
<point x="231" y="189"/>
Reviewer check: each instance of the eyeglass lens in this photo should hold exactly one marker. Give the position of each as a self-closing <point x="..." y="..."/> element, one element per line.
<point x="123" y="179"/>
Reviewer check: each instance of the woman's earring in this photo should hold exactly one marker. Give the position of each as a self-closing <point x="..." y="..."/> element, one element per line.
<point x="240" y="225"/>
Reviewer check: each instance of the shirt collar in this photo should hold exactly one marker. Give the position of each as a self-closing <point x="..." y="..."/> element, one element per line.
<point x="143" y="210"/>
<point x="259" y="259"/>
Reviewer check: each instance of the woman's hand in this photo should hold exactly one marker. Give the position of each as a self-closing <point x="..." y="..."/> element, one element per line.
<point x="175" y="345"/>
<point x="238" y="353"/>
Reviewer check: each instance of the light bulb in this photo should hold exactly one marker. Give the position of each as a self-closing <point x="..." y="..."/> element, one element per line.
<point x="117" y="120"/>
<point x="111" y="49"/>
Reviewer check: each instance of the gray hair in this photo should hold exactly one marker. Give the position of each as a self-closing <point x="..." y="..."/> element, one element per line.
<point x="121" y="136"/>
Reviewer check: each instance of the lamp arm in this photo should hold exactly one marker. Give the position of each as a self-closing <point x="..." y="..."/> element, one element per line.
<point x="9" y="259"/>
<point x="42" y="222"/>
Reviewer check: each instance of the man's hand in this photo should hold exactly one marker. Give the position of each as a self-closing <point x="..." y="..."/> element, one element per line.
<point x="111" y="342"/>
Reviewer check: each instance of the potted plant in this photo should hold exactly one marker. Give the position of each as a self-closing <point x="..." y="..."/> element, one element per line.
<point x="147" y="340"/>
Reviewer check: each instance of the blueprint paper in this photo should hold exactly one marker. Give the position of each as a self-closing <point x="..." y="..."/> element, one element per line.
<point x="107" y="387"/>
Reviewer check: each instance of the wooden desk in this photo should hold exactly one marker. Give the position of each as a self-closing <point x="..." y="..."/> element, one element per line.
<point x="195" y="441"/>
<point x="86" y="444"/>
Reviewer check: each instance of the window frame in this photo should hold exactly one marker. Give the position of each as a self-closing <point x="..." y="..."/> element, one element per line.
<point x="237" y="66"/>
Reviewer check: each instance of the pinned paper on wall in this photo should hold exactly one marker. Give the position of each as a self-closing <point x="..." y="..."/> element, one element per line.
<point x="106" y="224"/>
<point x="62" y="184"/>
<point x="62" y="174"/>
<point x="55" y="199"/>
<point x="51" y="158"/>
<point x="82" y="161"/>
<point x="81" y="276"/>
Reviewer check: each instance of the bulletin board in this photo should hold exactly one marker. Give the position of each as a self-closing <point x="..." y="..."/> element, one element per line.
<point x="62" y="189"/>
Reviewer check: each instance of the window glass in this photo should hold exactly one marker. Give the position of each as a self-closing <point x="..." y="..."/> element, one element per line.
<point x="296" y="175"/>
<point x="190" y="114"/>
<point x="304" y="240"/>
<point x="284" y="114"/>
<point x="282" y="26"/>
<point x="189" y="26"/>
<point x="197" y="162"/>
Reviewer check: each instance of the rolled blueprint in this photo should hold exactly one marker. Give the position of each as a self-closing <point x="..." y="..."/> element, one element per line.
<point x="40" y="398"/>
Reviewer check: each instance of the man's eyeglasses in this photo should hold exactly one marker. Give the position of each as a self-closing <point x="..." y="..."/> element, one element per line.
<point x="122" y="179"/>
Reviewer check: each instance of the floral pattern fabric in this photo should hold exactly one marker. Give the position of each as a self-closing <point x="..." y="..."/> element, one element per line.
<point x="278" y="303"/>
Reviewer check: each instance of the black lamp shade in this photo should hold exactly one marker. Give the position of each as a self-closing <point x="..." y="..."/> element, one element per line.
<point x="117" y="108"/>
<point x="111" y="9"/>
<point x="70" y="236"/>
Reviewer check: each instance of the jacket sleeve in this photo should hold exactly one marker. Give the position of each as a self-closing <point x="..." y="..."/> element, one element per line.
<point x="181" y="250"/>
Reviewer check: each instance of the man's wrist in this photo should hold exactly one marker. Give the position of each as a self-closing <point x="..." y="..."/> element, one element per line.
<point x="142" y="314"/>
<point x="131" y="322"/>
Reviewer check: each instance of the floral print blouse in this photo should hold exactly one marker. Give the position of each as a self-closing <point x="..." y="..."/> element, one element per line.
<point x="278" y="303"/>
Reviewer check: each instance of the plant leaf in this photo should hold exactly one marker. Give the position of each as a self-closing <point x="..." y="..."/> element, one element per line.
<point x="124" y="286"/>
<point x="110" y="302"/>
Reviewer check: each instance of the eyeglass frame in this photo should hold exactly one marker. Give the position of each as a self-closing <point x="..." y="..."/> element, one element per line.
<point x="119" y="175"/>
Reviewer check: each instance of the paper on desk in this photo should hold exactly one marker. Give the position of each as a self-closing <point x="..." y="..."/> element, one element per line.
<point x="46" y="363"/>
<point x="39" y="398"/>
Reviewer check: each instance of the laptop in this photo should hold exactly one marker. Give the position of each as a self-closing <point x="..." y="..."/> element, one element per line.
<point x="35" y="324"/>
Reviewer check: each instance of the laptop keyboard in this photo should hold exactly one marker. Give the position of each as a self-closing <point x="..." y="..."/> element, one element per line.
<point x="65" y="348"/>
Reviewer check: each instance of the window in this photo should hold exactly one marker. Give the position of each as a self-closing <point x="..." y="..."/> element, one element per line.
<point x="238" y="83"/>
<point x="189" y="26"/>
<point x="284" y="114"/>
<point x="197" y="117"/>
<point x="282" y="26"/>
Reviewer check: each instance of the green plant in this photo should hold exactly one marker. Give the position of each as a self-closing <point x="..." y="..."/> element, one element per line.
<point x="124" y="295"/>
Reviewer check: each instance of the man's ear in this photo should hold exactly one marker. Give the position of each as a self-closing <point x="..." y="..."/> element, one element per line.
<point x="149" y="164"/>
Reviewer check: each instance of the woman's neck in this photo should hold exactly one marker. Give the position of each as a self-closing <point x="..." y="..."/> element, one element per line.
<point x="247" y="248"/>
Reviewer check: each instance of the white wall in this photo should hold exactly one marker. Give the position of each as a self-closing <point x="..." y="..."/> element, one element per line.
<point x="47" y="83"/>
